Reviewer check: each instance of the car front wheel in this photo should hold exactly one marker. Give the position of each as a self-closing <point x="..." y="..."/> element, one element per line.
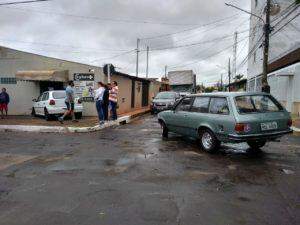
<point x="208" y="141"/>
<point x="78" y="115"/>
<point x="164" y="130"/>
<point x="255" y="145"/>
<point x="33" y="112"/>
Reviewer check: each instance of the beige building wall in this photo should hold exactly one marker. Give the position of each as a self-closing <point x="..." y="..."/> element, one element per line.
<point x="12" y="61"/>
<point x="22" y="93"/>
<point x="124" y="96"/>
<point x="153" y="90"/>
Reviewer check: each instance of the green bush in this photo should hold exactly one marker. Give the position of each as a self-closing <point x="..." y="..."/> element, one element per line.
<point x="297" y="1"/>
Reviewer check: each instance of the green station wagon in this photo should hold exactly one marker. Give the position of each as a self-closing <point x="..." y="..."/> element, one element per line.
<point x="213" y="118"/>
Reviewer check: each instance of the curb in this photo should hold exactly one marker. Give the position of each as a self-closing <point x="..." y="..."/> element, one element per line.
<point x="296" y="130"/>
<point x="58" y="129"/>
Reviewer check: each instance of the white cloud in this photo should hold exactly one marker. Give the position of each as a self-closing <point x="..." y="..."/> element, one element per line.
<point x="89" y="37"/>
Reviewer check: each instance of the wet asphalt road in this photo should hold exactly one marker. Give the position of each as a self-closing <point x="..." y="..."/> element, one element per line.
<point x="129" y="176"/>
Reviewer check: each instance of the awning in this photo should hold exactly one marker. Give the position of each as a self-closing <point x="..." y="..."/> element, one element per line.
<point x="43" y="75"/>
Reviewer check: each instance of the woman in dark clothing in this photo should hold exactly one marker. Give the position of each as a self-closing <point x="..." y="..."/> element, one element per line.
<point x="105" y="102"/>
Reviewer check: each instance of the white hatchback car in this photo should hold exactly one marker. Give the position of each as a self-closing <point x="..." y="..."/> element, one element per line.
<point x="51" y="104"/>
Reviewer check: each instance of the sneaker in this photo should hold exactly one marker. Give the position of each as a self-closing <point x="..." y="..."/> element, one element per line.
<point x="75" y="121"/>
<point x="101" y="122"/>
<point x="61" y="120"/>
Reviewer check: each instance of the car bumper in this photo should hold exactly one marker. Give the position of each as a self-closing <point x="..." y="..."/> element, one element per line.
<point x="62" y="110"/>
<point x="267" y="136"/>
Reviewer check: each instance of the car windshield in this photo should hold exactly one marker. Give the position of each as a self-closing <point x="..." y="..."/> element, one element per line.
<point x="257" y="104"/>
<point x="59" y="94"/>
<point x="165" y="95"/>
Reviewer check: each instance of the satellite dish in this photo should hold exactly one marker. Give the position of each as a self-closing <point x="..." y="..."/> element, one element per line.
<point x="275" y="9"/>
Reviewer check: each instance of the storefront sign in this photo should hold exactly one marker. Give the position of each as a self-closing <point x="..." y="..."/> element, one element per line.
<point x="84" y="86"/>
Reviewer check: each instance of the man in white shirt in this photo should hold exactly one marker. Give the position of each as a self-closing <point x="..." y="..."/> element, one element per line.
<point x="99" y="101"/>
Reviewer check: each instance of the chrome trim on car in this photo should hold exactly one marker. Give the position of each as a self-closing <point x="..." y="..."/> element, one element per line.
<point x="245" y="137"/>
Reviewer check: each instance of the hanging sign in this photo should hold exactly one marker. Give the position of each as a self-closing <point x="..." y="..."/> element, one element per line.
<point x="84" y="86"/>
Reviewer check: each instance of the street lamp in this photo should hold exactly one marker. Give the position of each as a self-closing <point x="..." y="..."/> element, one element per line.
<point x="267" y="30"/>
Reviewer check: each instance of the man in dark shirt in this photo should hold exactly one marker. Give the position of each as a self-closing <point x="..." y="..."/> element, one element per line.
<point x="4" y="100"/>
<point x="106" y="101"/>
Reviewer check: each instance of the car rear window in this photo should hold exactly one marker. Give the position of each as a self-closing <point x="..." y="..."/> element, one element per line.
<point x="59" y="94"/>
<point x="257" y="104"/>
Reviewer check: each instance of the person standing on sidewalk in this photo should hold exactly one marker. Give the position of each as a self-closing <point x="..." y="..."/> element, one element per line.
<point x="99" y="101"/>
<point x="4" y="100"/>
<point x="69" y="100"/>
<point x="106" y="101"/>
<point x="113" y="100"/>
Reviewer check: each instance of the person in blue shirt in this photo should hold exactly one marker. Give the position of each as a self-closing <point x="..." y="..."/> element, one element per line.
<point x="69" y="100"/>
<point x="4" y="100"/>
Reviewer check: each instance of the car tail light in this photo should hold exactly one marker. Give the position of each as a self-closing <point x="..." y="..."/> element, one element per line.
<point x="52" y="102"/>
<point x="290" y="122"/>
<point x="242" y="127"/>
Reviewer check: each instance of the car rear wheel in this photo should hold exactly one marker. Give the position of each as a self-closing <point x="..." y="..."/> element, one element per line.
<point x="256" y="145"/>
<point x="164" y="130"/>
<point x="208" y="141"/>
<point x="47" y="115"/>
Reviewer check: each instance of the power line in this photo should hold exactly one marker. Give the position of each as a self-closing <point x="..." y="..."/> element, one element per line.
<point x="254" y="48"/>
<point x="57" y="45"/>
<point x="95" y="18"/>
<point x="193" y="44"/>
<point x="189" y="29"/>
<point x="286" y="10"/>
<point x="284" y="25"/>
<point x="115" y="56"/>
<point x="206" y="57"/>
<point x="23" y="2"/>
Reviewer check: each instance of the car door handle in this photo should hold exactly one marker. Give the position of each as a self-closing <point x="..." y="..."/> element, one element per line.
<point x="185" y="115"/>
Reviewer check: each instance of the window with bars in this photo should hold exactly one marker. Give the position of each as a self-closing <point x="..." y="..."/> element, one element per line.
<point x="8" y="80"/>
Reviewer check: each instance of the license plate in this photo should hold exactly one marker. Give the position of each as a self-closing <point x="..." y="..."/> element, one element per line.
<point x="269" y="126"/>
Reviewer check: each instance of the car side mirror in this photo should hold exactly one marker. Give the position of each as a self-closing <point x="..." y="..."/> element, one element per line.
<point x="34" y="100"/>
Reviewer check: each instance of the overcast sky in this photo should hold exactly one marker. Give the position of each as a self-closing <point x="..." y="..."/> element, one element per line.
<point x="105" y="31"/>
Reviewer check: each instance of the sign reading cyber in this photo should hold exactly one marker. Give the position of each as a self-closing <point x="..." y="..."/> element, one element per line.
<point x="84" y="86"/>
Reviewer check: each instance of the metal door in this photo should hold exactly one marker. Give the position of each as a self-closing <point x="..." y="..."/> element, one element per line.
<point x="132" y="94"/>
<point x="145" y="94"/>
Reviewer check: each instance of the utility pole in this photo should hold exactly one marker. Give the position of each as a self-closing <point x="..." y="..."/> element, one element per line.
<point x="166" y="68"/>
<point x="108" y="73"/>
<point x="147" y="66"/>
<point x="265" y="85"/>
<point x="267" y="30"/>
<point x="137" y="57"/>
<point x="229" y="75"/>
<point x="234" y="53"/>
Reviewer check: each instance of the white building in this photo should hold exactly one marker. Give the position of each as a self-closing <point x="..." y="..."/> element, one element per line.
<point x="284" y="52"/>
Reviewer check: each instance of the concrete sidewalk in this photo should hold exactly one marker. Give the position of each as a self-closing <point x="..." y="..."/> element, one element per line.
<point x="296" y="125"/>
<point x="90" y="125"/>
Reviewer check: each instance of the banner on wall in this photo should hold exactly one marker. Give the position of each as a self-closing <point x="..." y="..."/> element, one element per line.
<point x="84" y="86"/>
